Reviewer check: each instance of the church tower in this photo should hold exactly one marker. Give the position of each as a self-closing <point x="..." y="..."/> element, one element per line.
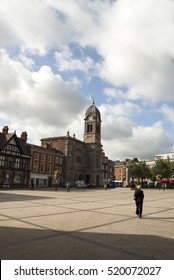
<point x="92" y="130"/>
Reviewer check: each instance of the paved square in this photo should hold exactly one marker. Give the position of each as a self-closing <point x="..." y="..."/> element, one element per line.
<point x="85" y="224"/>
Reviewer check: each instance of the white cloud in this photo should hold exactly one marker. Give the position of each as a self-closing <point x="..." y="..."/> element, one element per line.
<point x="119" y="109"/>
<point x="33" y="25"/>
<point x="66" y="61"/>
<point x="143" y="143"/>
<point x="138" y="48"/>
<point x="135" y="39"/>
<point x="135" y="42"/>
<point x="41" y="98"/>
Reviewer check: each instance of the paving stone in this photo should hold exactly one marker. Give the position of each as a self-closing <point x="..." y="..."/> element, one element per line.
<point x="85" y="224"/>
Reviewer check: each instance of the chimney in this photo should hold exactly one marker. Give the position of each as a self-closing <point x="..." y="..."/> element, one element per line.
<point x="5" y="130"/>
<point x="24" y="136"/>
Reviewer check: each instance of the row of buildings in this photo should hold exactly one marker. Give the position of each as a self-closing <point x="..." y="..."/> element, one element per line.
<point x="121" y="171"/>
<point x="61" y="159"/>
<point x="57" y="159"/>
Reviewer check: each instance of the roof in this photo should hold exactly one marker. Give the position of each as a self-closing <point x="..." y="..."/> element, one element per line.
<point x="49" y="139"/>
<point x="23" y="146"/>
<point x="93" y="110"/>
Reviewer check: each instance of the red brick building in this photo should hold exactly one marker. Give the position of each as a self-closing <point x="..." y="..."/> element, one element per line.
<point x="44" y="162"/>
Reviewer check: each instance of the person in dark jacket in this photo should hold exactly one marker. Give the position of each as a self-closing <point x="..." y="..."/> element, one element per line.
<point x="139" y="197"/>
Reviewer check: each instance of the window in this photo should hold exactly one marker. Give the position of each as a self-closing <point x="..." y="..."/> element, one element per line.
<point x="11" y="149"/>
<point x="36" y="156"/>
<point x="42" y="167"/>
<point x="10" y="162"/>
<point x="17" y="164"/>
<point x="2" y="160"/>
<point x="57" y="160"/>
<point x="60" y="160"/>
<point x="49" y="158"/>
<point x="89" y="128"/>
<point x="48" y="168"/>
<point x="35" y="167"/>
<point x="42" y="157"/>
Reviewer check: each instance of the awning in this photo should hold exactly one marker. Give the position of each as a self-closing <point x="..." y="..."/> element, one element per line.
<point x="164" y="180"/>
<point x="171" y="180"/>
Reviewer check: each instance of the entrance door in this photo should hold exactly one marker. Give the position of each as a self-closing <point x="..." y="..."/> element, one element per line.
<point x="7" y="181"/>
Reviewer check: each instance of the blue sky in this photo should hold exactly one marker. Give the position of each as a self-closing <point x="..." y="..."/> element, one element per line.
<point x="56" y="55"/>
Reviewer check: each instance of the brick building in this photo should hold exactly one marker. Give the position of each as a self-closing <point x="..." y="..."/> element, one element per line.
<point x="120" y="171"/>
<point x="22" y="164"/>
<point x="44" y="162"/>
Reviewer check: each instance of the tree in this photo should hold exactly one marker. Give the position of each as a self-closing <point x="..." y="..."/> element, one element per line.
<point x="139" y="170"/>
<point x="162" y="169"/>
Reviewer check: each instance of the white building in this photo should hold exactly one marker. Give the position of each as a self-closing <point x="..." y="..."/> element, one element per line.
<point x="169" y="155"/>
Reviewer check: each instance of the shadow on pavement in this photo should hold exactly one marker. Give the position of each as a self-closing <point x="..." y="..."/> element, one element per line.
<point x="26" y="243"/>
<point x="9" y="197"/>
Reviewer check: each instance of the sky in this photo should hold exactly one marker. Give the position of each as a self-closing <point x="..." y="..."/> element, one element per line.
<point x="55" y="56"/>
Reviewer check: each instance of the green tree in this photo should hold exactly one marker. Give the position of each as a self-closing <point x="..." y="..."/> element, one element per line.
<point x="139" y="170"/>
<point x="163" y="168"/>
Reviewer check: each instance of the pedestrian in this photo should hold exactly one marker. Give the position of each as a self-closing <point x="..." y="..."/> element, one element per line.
<point x="164" y="186"/>
<point x="32" y="186"/>
<point x="105" y="186"/>
<point x="139" y="197"/>
<point x="68" y="187"/>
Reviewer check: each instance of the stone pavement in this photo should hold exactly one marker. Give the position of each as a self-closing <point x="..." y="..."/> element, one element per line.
<point x="85" y="224"/>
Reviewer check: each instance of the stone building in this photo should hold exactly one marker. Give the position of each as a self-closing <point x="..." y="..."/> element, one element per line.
<point x="83" y="158"/>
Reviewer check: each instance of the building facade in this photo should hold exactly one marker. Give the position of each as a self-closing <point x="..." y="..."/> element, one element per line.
<point x="44" y="163"/>
<point x="120" y="171"/>
<point x="23" y="164"/>
<point x="15" y="158"/>
<point x="83" y="158"/>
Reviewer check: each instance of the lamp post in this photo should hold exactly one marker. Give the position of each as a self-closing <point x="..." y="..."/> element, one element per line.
<point x="57" y="175"/>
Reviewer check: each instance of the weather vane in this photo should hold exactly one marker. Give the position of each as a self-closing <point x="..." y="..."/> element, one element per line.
<point x="93" y="100"/>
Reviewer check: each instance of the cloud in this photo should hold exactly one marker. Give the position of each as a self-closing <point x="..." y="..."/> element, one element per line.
<point x="66" y="61"/>
<point x="143" y="143"/>
<point x="33" y="26"/>
<point x="116" y="124"/>
<point x="138" y="52"/>
<point x="41" y="97"/>
<point x="133" y="45"/>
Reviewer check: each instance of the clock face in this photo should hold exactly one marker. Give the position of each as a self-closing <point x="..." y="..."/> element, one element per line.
<point x="90" y="117"/>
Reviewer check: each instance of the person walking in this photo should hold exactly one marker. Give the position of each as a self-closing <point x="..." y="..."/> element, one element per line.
<point x="164" y="186"/>
<point x="68" y="187"/>
<point x="139" y="197"/>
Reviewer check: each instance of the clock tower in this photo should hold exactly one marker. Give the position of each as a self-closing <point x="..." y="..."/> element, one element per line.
<point x="92" y="130"/>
